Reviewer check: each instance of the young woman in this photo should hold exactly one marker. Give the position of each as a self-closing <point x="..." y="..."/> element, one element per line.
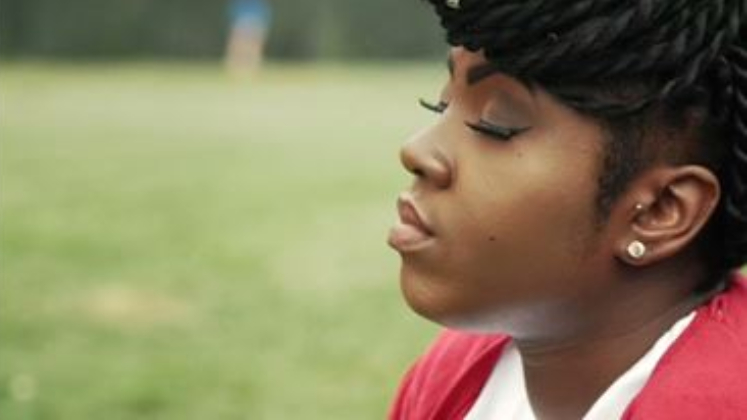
<point x="578" y="214"/>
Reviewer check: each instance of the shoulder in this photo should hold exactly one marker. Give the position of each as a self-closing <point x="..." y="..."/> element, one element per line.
<point x="448" y="378"/>
<point x="702" y="375"/>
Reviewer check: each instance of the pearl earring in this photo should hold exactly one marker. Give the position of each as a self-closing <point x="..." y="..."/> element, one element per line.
<point x="636" y="250"/>
<point x="454" y="4"/>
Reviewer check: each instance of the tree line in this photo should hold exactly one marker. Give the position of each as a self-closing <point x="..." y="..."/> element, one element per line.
<point x="302" y="29"/>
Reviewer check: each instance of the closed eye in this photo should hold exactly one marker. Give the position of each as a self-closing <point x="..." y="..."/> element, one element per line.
<point x="495" y="131"/>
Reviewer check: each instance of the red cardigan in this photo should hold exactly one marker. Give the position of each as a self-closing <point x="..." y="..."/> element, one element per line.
<point x="702" y="376"/>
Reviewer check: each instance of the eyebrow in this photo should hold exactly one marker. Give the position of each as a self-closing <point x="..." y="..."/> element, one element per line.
<point x="476" y="73"/>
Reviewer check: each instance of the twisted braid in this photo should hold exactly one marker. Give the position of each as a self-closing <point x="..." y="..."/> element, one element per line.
<point x="664" y="51"/>
<point x="547" y="41"/>
<point x="736" y="170"/>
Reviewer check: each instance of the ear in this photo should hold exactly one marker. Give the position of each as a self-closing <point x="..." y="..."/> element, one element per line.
<point x="667" y="208"/>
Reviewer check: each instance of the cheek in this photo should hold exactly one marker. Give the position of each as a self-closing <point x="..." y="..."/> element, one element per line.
<point x="527" y="229"/>
<point x="540" y="201"/>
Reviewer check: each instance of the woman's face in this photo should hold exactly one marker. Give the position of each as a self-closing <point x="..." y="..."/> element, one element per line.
<point x="498" y="230"/>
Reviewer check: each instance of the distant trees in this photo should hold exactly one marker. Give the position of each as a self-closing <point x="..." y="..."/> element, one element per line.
<point x="197" y="28"/>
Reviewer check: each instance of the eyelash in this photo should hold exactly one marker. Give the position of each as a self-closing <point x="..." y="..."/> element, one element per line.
<point x="482" y="126"/>
<point x="438" y="108"/>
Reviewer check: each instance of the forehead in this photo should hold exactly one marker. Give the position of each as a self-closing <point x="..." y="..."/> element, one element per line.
<point x="465" y="57"/>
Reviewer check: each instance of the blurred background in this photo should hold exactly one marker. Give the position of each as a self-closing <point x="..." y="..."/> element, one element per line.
<point x="195" y="197"/>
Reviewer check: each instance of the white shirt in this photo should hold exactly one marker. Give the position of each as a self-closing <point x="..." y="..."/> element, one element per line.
<point x="498" y="401"/>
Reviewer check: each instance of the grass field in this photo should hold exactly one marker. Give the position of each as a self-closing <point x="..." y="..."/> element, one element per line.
<point x="179" y="245"/>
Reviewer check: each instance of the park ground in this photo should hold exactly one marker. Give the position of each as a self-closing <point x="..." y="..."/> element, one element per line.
<point x="177" y="244"/>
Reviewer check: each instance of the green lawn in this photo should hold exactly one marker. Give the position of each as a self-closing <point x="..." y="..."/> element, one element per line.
<point x="179" y="245"/>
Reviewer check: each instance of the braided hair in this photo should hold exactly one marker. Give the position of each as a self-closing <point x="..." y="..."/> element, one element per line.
<point x="634" y="64"/>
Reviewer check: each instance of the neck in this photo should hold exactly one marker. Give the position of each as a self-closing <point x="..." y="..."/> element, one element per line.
<point x="624" y="328"/>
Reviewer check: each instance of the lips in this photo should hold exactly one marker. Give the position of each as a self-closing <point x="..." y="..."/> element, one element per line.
<point x="411" y="232"/>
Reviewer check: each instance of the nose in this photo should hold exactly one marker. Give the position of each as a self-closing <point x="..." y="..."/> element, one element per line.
<point x="421" y="157"/>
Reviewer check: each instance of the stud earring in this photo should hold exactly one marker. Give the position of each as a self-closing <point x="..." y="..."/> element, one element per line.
<point x="454" y="4"/>
<point x="636" y="250"/>
<point x="639" y="207"/>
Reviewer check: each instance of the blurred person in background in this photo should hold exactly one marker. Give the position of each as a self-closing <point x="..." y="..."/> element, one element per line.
<point x="250" y="22"/>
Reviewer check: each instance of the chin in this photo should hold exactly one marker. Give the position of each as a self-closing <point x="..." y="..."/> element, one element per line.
<point x="422" y="297"/>
<point x="441" y="307"/>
